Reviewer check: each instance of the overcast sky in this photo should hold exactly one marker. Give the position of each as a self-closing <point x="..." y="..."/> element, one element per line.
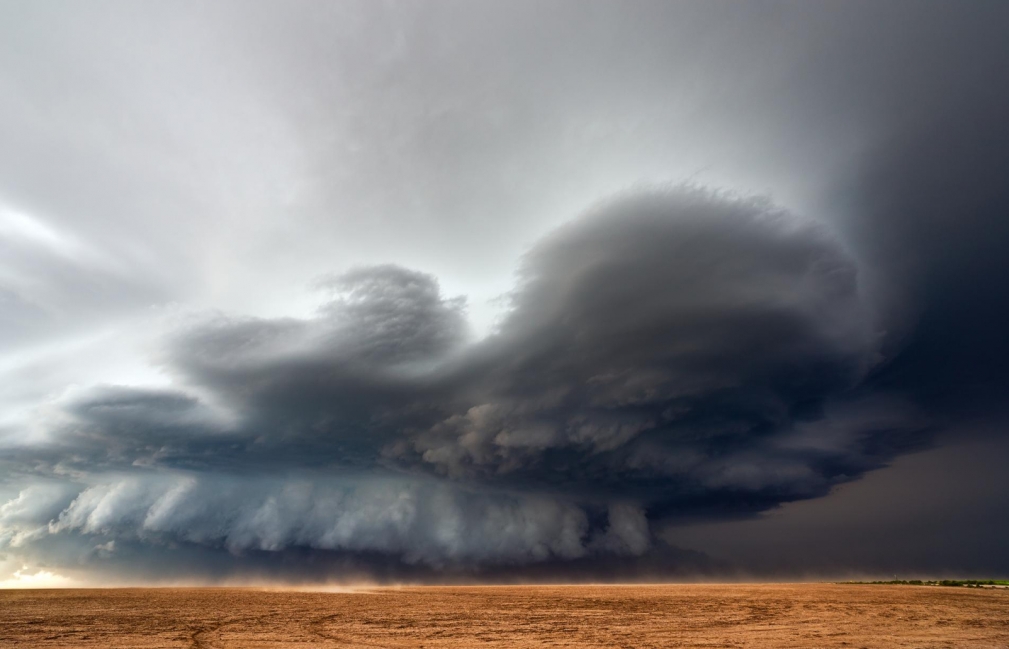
<point x="308" y="291"/>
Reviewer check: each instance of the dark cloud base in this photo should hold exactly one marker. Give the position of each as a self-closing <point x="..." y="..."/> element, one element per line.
<point x="192" y="564"/>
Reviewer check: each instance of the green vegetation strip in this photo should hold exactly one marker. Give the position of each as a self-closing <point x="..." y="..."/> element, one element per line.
<point x="963" y="583"/>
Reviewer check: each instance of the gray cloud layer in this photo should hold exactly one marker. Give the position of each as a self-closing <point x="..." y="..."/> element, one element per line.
<point x="669" y="357"/>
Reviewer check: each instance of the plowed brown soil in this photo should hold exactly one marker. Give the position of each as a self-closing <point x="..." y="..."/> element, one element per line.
<point x="765" y="615"/>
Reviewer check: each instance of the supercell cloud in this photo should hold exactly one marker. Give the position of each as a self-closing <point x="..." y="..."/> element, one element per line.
<point x="669" y="354"/>
<point x="490" y="292"/>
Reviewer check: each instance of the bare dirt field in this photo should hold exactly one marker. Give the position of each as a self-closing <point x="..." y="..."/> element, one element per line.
<point x="765" y="615"/>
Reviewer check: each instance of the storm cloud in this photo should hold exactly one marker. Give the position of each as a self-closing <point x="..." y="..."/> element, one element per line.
<point x="495" y="291"/>
<point x="671" y="353"/>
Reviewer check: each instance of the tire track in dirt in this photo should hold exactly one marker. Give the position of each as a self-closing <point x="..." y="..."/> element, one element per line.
<point x="316" y="628"/>
<point x="197" y="639"/>
<point x="196" y="642"/>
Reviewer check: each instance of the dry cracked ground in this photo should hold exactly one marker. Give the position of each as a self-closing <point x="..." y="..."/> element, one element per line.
<point x="765" y="615"/>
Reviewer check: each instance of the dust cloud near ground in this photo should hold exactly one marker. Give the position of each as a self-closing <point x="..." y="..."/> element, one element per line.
<point x="764" y="615"/>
